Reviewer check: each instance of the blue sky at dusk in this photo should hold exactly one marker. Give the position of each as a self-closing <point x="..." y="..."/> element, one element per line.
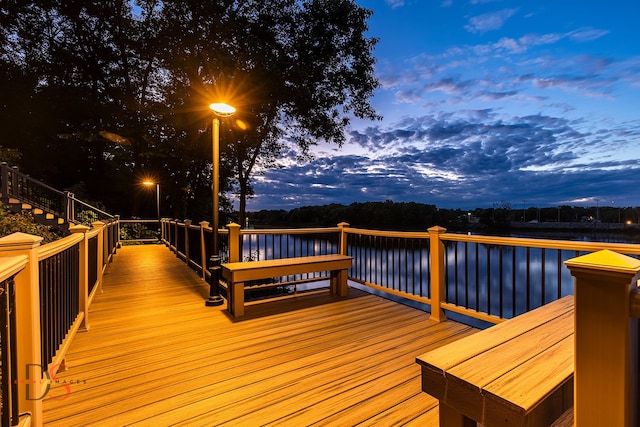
<point x="485" y="102"/>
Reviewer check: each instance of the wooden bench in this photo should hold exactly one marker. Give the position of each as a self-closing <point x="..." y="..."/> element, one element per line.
<point x="237" y="273"/>
<point x="517" y="373"/>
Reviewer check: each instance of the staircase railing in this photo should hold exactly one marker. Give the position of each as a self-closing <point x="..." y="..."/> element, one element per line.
<point x="62" y="204"/>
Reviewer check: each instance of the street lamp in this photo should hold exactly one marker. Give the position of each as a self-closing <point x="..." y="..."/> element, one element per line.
<point x="149" y="183"/>
<point x="219" y="110"/>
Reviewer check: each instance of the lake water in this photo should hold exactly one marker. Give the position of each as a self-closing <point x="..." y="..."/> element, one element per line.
<point x="503" y="281"/>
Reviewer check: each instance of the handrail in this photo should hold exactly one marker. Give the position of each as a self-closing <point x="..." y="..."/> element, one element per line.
<point x="384" y="233"/>
<point x="404" y="264"/>
<point x="544" y="243"/>
<point x="10" y="266"/>
<point x="55" y="247"/>
<point x="290" y="230"/>
<point x="93" y="208"/>
<point x="54" y="286"/>
<point x="17" y="185"/>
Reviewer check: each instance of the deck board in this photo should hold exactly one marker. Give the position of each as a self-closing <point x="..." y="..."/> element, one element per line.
<point x="155" y="355"/>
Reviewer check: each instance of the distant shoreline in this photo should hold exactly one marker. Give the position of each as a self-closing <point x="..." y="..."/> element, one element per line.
<point x="576" y="226"/>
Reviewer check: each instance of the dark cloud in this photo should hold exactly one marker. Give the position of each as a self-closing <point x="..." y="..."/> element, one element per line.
<point x="458" y="163"/>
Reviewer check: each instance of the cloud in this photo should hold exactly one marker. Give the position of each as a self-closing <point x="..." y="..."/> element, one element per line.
<point x="463" y="159"/>
<point x="489" y="21"/>
<point x="587" y="34"/>
<point x="522" y="116"/>
<point x="395" y="3"/>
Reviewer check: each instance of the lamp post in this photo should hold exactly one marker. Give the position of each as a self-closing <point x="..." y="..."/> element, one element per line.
<point x="149" y="183"/>
<point x="219" y="110"/>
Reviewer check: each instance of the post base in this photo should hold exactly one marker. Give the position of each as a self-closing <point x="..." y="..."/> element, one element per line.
<point x="214" y="301"/>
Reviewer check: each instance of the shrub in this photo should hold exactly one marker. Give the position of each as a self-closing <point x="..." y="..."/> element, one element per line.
<point x="24" y="223"/>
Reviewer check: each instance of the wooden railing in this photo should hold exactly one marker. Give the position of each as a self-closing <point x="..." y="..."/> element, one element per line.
<point x="447" y="271"/>
<point x="19" y="187"/>
<point x="54" y="285"/>
<point x="9" y="409"/>
<point x="192" y="243"/>
<point x="487" y="278"/>
<point x="607" y="336"/>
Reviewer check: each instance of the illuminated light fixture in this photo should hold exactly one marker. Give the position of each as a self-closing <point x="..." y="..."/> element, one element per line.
<point x="220" y="110"/>
<point x="150" y="183"/>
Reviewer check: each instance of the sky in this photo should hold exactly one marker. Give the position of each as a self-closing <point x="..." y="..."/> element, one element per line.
<point x="486" y="103"/>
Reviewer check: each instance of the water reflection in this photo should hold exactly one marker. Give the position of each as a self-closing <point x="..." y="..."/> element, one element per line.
<point x="504" y="281"/>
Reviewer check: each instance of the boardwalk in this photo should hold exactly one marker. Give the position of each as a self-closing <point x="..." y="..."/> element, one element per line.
<point x="156" y="356"/>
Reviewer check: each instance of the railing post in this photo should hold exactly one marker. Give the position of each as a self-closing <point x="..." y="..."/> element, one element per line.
<point x="84" y="274"/>
<point x="4" y="180"/>
<point x="69" y="208"/>
<point x="100" y="255"/>
<point x="235" y="247"/>
<point x="606" y="347"/>
<point x="32" y="388"/>
<point x="437" y="272"/>
<point x="203" y="249"/>
<point x="176" y="229"/>
<point x="187" y="255"/>
<point x="343" y="238"/>
<point x="14" y="181"/>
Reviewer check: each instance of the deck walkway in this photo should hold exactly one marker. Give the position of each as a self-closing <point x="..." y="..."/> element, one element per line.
<point x="156" y="356"/>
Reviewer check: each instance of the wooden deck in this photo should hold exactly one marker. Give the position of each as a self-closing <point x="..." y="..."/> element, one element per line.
<point x="156" y="356"/>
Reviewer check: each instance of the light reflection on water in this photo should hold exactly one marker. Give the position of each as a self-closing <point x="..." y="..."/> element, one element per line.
<point x="500" y="280"/>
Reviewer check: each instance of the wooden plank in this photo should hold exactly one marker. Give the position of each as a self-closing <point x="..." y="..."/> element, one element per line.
<point x="231" y="390"/>
<point x="155" y="355"/>
<point x="255" y="270"/>
<point x="510" y="397"/>
<point x="512" y="353"/>
<point x="465" y="388"/>
<point x="445" y="358"/>
<point x="405" y="413"/>
<point x="458" y="373"/>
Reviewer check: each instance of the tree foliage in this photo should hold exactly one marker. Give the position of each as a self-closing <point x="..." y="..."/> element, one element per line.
<point x="106" y="92"/>
<point x="24" y="223"/>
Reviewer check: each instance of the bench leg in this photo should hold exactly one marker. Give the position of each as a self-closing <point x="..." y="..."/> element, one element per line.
<point x="449" y="417"/>
<point x="236" y="299"/>
<point x="339" y="283"/>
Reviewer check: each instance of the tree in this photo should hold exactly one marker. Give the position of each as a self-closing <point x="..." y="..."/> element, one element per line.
<point x="104" y="92"/>
<point x="296" y="71"/>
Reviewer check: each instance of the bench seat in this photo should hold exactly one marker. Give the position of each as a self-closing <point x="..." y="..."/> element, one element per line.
<point x="517" y="373"/>
<point x="237" y="273"/>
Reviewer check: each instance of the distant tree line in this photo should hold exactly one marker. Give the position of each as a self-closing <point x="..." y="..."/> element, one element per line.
<point x="412" y="216"/>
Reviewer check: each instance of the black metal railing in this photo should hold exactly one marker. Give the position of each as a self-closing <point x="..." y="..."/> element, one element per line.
<point x="503" y="277"/>
<point x="93" y="263"/>
<point x="62" y="204"/>
<point x="59" y="298"/>
<point x="9" y="411"/>
<point x="394" y="262"/>
<point x="484" y="277"/>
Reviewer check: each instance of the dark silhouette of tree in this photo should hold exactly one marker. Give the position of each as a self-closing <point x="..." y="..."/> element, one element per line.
<point x="106" y="92"/>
